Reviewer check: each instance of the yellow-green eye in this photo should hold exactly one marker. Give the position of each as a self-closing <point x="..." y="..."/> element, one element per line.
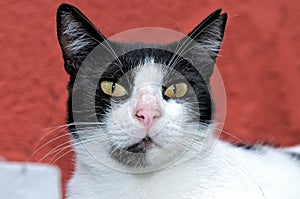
<point x="113" y="89"/>
<point x="176" y="90"/>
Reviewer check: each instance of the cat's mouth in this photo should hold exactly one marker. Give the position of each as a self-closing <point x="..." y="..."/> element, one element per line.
<point x="136" y="154"/>
<point x="142" y="146"/>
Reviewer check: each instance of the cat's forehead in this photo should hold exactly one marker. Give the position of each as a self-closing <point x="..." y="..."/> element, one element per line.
<point x="149" y="72"/>
<point x="151" y="66"/>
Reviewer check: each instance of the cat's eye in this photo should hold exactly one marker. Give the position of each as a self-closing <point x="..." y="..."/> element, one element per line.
<point x="176" y="90"/>
<point x="113" y="89"/>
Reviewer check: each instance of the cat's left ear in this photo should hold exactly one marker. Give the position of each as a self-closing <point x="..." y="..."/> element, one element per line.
<point x="202" y="45"/>
<point x="209" y="33"/>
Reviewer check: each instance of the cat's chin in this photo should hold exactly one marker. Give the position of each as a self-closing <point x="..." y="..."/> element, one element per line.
<point x="143" y="146"/>
<point x="135" y="155"/>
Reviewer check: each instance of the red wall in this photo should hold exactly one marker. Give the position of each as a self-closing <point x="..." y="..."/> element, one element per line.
<point x="259" y="62"/>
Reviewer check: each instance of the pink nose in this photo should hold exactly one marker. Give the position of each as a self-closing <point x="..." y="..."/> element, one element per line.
<point x="146" y="116"/>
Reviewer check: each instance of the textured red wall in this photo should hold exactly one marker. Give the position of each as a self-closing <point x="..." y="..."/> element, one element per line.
<point x="259" y="62"/>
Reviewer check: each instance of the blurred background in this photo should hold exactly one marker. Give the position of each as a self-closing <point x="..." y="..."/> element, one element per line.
<point x="259" y="63"/>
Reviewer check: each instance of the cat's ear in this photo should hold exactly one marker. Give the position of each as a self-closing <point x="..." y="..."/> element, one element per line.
<point x="77" y="36"/>
<point x="209" y="33"/>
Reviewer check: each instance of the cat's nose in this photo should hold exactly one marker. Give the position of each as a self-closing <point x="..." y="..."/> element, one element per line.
<point x="147" y="116"/>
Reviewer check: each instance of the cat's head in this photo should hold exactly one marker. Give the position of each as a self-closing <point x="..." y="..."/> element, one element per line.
<point x="138" y="104"/>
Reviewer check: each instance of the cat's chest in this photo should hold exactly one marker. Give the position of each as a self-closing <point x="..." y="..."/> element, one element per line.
<point x="168" y="185"/>
<point x="225" y="173"/>
<point x="171" y="183"/>
<point x="191" y="180"/>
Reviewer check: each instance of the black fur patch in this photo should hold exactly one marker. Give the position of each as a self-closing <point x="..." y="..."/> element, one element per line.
<point x="295" y="155"/>
<point x="248" y="147"/>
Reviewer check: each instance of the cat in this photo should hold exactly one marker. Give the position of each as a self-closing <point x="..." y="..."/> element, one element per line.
<point x="142" y="120"/>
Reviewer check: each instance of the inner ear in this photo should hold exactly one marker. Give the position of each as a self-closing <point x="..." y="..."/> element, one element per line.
<point x="201" y="47"/>
<point x="209" y="33"/>
<point x="77" y="36"/>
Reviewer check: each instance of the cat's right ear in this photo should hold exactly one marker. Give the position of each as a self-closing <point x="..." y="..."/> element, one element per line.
<point x="77" y="36"/>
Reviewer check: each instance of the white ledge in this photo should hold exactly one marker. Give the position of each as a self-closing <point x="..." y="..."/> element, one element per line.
<point x="29" y="181"/>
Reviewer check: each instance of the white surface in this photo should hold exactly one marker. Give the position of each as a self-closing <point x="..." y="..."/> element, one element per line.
<point x="29" y="181"/>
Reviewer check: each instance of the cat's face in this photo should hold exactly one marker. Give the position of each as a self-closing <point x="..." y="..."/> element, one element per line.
<point x="141" y="104"/>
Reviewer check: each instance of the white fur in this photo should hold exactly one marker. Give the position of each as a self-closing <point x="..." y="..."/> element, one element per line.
<point x="186" y="168"/>
<point x="225" y="173"/>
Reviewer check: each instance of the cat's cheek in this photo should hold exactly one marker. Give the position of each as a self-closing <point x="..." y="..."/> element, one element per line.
<point x="168" y="126"/>
<point x="121" y="138"/>
<point x="124" y="120"/>
<point x="121" y="129"/>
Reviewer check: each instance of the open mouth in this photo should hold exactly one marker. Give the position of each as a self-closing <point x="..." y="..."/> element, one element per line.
<point x="142" y="146"/>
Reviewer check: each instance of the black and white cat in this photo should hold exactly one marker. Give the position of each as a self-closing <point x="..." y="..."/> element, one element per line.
<point x="141" y="117"/>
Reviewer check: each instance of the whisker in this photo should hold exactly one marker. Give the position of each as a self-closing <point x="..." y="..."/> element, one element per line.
<point x="56" y="149"/>
<point x="37" y="149"/>
<point x="55" y="158"/>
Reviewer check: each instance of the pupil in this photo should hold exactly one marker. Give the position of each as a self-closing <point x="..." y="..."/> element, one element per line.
<point x="174" y="89"/>
<point x="113" y="86"/>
